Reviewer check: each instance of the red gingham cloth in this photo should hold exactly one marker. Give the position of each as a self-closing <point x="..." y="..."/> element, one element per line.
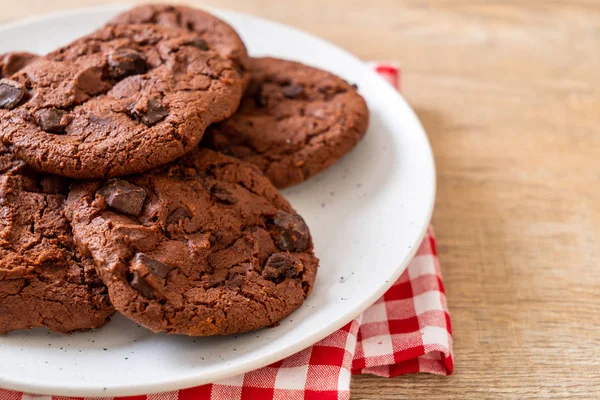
<point x="407" y="330"/>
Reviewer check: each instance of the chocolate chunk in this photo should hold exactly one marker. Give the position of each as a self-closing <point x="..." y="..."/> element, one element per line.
<point x="329" y="92"/>
<point x="223" y="194"/>
<point x="280" y="266"/>
<point x="151" y="113"/>
<point x="199" y="43"/>
<point x="293" y="232"/>
<point x="90" y="81"/>
<point x="125" y="62"/>
<point x="354" y="86"/>
<point x="123" y="196"/>
<point x="292" y="91"/>
<point x="155" y="113"/>
<point x="179" y="214"/>
<point x="157" y="268"/>
<point x="11" y="93"/>
<point x="52" y="120"/>
<point x="139" y="283"/>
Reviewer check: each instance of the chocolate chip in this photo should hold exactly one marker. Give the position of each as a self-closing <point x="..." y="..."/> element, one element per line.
<point x="179" y="214"/>
<point x="151" y="113"/>
<point x="354" y="86"/>
<point x="125" y="62"/>
<point x="52" y="120"/>
<point x="198" y="43"/>
<point x="139" y="283"/>
<point x="279" y="266"/>
<point x="11" y="93"/>
<point x="292" y="91"/>
<point x="223" y="194"/>
<point x="293" y="232"/>
<point x="157" y="268"/>
<point x="123" y="196"/>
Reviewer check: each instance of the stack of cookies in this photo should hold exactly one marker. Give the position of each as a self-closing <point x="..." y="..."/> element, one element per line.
<point x="139" y="172"/>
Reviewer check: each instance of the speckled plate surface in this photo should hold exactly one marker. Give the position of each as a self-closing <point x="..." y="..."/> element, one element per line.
<point x="367" y="214"/>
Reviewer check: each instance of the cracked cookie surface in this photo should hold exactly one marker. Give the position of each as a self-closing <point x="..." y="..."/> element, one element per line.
<point x="294" y="121"/>
<point x="218" y="35"/>
<point x="203" y="246"/>
<point x="44" y="280"/>
<point x="121" y="100"/>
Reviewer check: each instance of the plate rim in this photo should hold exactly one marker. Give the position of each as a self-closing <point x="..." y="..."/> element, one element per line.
<point x="337" y="323"/>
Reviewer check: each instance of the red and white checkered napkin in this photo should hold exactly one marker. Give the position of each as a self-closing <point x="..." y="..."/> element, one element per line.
<point x="407" y="330"/>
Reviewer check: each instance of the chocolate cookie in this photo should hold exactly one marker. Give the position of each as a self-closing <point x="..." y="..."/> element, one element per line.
<point x="294" y="121"/>
<point x="121" y="100"/>
<point x="200" y="247"/>
<point x="44" y="280"/>
<point x="218" y="35"/>
<point x="11" y="63"/>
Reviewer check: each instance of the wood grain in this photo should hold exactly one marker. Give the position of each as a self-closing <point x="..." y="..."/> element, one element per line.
<point x="509" y="93"/>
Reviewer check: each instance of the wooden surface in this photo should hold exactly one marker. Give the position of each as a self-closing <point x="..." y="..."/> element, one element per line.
<point x="509" y="93"/>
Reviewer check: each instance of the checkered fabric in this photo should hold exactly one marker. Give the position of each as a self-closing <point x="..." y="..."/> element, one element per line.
<point x="407" y="330"/>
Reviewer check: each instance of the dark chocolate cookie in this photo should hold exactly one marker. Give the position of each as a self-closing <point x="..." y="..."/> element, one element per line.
<point x="218" y="35"/>
<point x="204" y="246"/>
<point x="44" y="280"/>
<point x="294" y="121"/>
<point x="11" y="63"/>
<point x="121" y="100"/>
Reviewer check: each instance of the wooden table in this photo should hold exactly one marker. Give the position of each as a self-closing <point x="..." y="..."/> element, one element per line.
<point x="510" y="97"/>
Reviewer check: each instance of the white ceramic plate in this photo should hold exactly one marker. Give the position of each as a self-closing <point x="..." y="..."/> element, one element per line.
<point x="367" y="215"/>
